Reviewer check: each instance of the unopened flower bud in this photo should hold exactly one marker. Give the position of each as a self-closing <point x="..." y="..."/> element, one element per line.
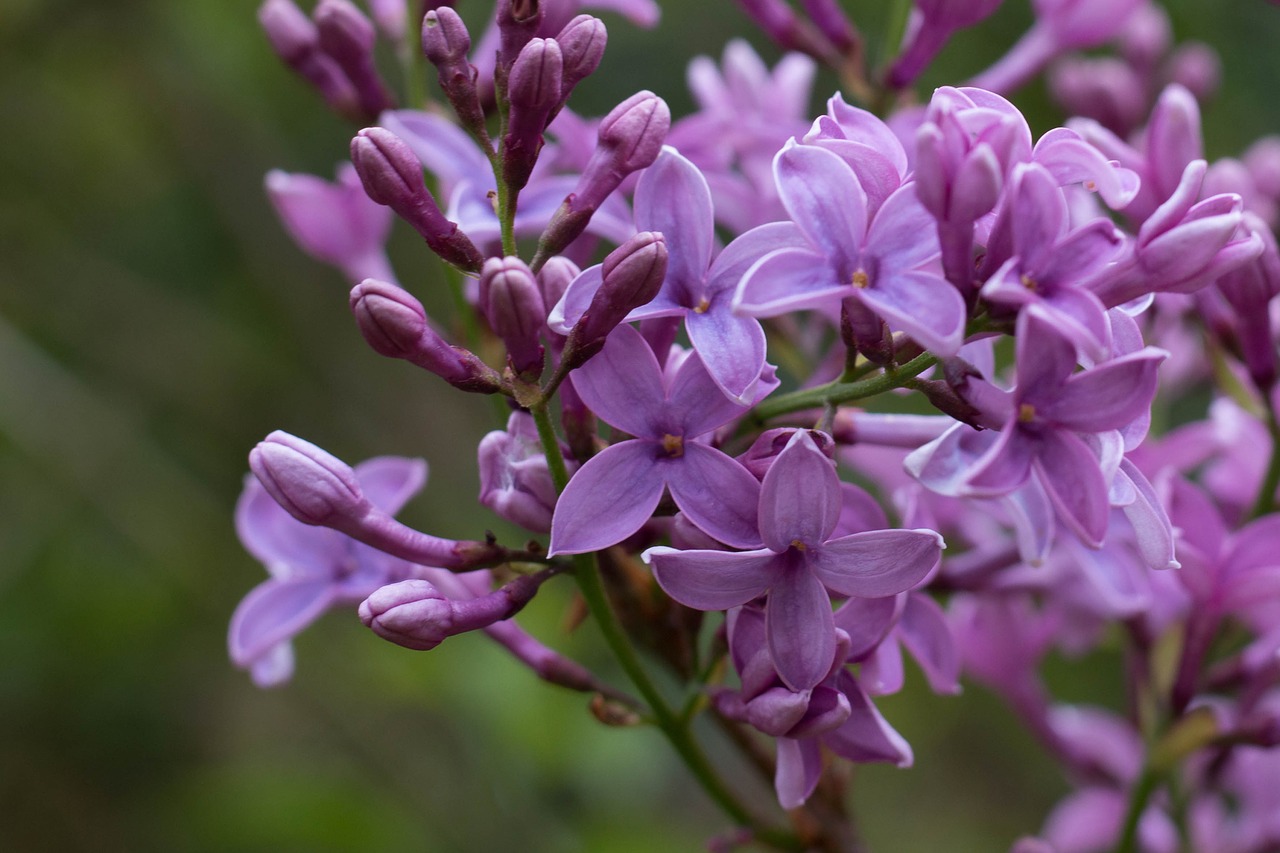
<point x="765" y="449"/>
<point x="1198" y="67"/>
<point x="630" y="138"/>
<point x="833" y="23"/>
<point x="515" y="481"/>
<point x="390" y="16"/>
<point x="392" y="175"/>
<point x="582" y="43"/>
<point x="512" y="302"/>
<point x="554" y="278"/>
<point x="296" y="40"/>
<point x="348" y="36"/>
<point x="1262" y="158"/>
<point x="395" y="325"/>
<point x="518" y="22"/>
<point x="445" y="41"/>
<point x="534" y="92"/>
<point x="308" y="483"/>
<point x="415" y="614"/>
<point x="632" y="275"/>
<point x="1146" y="38"/>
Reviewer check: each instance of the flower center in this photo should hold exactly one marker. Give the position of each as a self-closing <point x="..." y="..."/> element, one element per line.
<point x="702" y="306"/>
<point x="1030" y="283"/>
<point x="1026" y="413"/>
<point x="861" y="280"/>
<point x="798" y="545"/>
<point x="673" y="445"/>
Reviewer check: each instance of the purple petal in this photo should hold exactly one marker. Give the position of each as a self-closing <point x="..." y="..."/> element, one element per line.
<point x="729" y="267"/>
<point x="623" y="383"/>
<point x="273" y="612"/>
<point x="389" y="481"/>
<point x="732" y="349"/>
<point x="714" y="580"/>
<point x="716" y="493"/>
<point x="923" y="305"/>
<point x="801" y="629"/>
<point x="1039" y="215"/>
<point x="1107" y="396"/>
<point x="903" y="234"/>
<point x="1071" y="475"/>
<point x="608" y="499"/>
<point x="1005" y="466"/>
<point x="800" y="496"/>
<point x="672" y="198"/>
<point x="695" y="399"/>
<point x="798" y="771"/>
<point x="867" y="736"/>
<point x="944" y="464"/>
<point x="823" y="197"/>
<point x="443" y="147"/>
<point x="1044" y="358"/>
<point x="285" y="546"/>
<point x="1031" y="513"/>
<point x="576" y="300"/>
<point x="1151" y="525"/>
<point x="1082" y="319"/>
<point x="877" y="563"/>
<point x="1072" y="160"/>
<point x="923" y="630"/>
<point x="787" y="280"/>
<point x="867" y="621"/>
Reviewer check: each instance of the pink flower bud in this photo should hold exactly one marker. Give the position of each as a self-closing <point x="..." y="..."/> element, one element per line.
<point x="511" y="301"/>
<point x="308" y="483"/>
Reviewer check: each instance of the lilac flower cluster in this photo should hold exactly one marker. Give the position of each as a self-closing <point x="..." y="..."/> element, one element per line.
<point x="637" y="274"/>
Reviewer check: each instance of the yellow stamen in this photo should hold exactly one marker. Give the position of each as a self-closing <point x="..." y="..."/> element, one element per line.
<point x="798" y="545"/>
<point x="1030" y="283"/>
<point x="702" y="306"/>
<point x="673" y="445"/>
<point x="1026" y="413"/>
<point x="861" y="280"/>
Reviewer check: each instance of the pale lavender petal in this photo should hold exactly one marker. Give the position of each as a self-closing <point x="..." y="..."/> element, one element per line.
<point x="867" y="621"/>
<point x="1256" y="546"/>
<point x="1031" y="513"/>
<point x="695" y="400"/>
<point x="883" y="671"/>
<point x="623" y="383"/>
<point x="732" y="349"/>
<point x="1151" y="525"/>
<point x="1107" y="396"/>
<point x="576" y="300"/>
<point x="1039" y="215"/>
<point x="273" y="612"/>
<point x="1044" y="358"/>
<point x="800" y="496"/>
<point x="801" y="629"/>
<point x="672" y="198"/>
<point x="867" y="736"/>
<point x="923" y="630"/>
<point x="1005" y="466"/>
<point x="1082" y="319"/>
<point x="714" y="580"/>
<point x="824" y="199"/>
<point x="798" y="771"/>
<point x="285" y="546"/>
<point x="1072" y="160"/>
<point x="876" y="174"/>
<point x="788" y="280"/>
<point x="877" y="563"/>
<point x="923" y="305"/>
<point x="903" y="234"/>
<point x="1071" y="475"/>
<point x="274" y="667"/>
<point x="944" y="464"/>
<point x="716" y="493"/>
<point x="608" y="499"/>
<point x="389" y="481"/>
<point x="731" y="265"/>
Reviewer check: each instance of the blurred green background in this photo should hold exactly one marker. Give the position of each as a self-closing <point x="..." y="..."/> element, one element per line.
<point x="155" y="322"/>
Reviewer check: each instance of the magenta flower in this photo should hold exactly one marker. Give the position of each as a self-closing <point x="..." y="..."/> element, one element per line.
<point x="617" y="490"/>
<point x="312" y="568"/>
<point x="800" y="502"/>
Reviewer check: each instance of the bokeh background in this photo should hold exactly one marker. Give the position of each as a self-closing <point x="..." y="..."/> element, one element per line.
<point x="155" y="322"/>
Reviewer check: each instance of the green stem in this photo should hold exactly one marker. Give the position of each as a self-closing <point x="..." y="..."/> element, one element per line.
<point x="1147" y="784"/>
<point x="1265" y="502"/>
<point x="835" y="393"/>
<point x="676" y="731"/>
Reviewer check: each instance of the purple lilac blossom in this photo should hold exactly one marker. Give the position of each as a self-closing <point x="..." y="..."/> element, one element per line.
<point x="840" y="252"/>
<point x="800" y="501"/>
<point x="313" y="569"/>
<point x="616" y="491"/>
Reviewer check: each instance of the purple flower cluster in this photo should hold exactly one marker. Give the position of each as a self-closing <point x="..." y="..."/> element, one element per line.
<point x="631" y="277"/>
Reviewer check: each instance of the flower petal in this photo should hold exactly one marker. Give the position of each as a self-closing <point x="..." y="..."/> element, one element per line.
<point x="798" y="771"/>
<point x="672" y="197"/>
<point x="272" y="613"/>
<point x="823" y="197"/>
<point x="877" y="563"/>
<point x="732" y="349"/>
<point x="801" y="629"/>
<point x="716" y="493"/>
<point x="608" y="499"/>
<point x="713" y="580"/>
<point x="800" y="496"/>
<point x="1072" y="476"/>
<point x="389" y="481"/>
<point x="623" y="383"/>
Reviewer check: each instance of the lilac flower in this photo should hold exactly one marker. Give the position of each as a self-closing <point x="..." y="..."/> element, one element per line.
<point x="800" y="502"/>
<point x="845" y="254"/>
<point x="1045" y="421"/>
<point x="932" y="24"/>
<point x="336" y="223"/>
<point x="836" y="713"/>
<point x="514" y="479"/>
<point x="672" y="198"/>
<point x="313" y="569"/>
<point x="616" y="491"/>
<point x="1051" y="267"/>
